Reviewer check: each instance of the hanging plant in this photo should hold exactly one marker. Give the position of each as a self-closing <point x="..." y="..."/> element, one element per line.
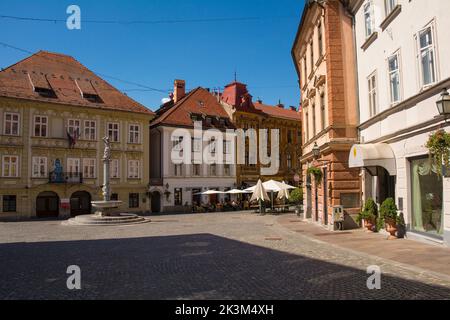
<point x="317" y="173"/>
<point x="438" y="145"/>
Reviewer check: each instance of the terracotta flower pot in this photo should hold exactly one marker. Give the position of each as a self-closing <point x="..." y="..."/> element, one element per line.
<point x="391" y="227"/>
<point x="369" y="224"/>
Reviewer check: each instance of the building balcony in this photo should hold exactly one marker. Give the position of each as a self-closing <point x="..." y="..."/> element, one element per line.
<point x="65" y="177"/>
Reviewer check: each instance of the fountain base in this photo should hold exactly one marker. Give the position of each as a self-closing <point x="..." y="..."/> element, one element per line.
<point x="116" y="220"/>
<point x="104" y="216"/>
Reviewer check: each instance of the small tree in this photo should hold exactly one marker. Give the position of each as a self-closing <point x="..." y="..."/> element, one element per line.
<point x="296" y="196"/>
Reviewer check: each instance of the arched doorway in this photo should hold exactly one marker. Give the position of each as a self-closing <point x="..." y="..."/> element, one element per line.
<point x="156" y="202"/>
<point x="80" y="203"/>
<point x="47" y="205"/>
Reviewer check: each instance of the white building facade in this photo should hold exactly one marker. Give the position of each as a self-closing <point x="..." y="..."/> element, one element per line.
<point x="176" y="187"/>
<point x="181" y="183"/>
<point x="402" y="50"/>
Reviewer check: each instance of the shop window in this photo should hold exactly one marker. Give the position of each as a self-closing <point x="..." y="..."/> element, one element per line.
<point x="178" y="196"/>
<point x="427" y="198"/>
<point x="350" y="200"/>
<point x="9" y="203"/>
<point x="133" y="200"/>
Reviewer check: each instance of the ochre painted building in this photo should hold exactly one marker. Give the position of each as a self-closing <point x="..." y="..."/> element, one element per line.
<point x="324" y="57"/>
<point x="54" y="113"/>
<point x="247" y="114"/>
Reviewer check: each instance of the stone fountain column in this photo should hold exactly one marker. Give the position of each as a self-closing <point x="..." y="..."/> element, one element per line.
<point x="105" y="207"/>
<point x="104" y="214"/>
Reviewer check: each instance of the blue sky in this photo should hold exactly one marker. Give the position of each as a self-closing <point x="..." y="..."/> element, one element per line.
<point x="202" y="53"/>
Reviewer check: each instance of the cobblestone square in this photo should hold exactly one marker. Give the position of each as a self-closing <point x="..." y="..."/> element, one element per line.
<point x="205" y="256"/>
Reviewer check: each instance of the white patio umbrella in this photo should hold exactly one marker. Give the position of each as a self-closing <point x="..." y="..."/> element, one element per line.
<point x="284" y="193"/>
<point x="259" y="194"/>
<point x="237" y="191"/>
<point x="210" y="192"/>
<point x="274" y="186"/>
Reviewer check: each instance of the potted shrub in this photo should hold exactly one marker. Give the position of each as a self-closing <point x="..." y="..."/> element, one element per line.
<point x="389" y="217"/>
<point x="369" y="214"/>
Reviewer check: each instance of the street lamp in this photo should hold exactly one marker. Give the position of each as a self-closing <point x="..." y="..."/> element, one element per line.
<point x="316" y="151"/>
<point x="443" y="104"/>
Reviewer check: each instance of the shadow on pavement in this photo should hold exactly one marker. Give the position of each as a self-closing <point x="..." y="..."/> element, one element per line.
<point x="201" y="266"/>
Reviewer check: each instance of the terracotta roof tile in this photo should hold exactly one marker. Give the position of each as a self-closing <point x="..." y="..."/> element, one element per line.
<point x="277" y="112"/>
<point x="67" y="79"/>
<point x="199" y="101"/>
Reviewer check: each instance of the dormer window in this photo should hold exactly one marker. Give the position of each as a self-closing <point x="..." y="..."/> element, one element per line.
<point x="41" y="85"/>
<point x="88" y="91"/>
<point x="94" y="98"/>
<point x="45" y="92"/>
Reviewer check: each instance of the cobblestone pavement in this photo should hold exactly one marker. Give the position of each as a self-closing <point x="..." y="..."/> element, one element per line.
<point x="209" y="256"/>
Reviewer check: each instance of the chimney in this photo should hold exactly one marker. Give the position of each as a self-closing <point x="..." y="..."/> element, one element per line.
<point x="280" y="105"/>
<point x="293" y="108"/>
<point x="179" y="90"/>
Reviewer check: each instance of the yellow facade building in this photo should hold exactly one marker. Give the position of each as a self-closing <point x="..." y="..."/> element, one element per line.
<point x="54" y="113"/>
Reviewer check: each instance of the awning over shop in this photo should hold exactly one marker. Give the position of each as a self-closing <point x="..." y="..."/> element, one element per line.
<point x="373" y="155"/>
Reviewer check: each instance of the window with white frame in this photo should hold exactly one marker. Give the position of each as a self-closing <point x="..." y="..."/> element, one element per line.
<point x="114" y="169"/>
<point x="113" y="131"/>
<point x="196" y="170"/>
<point x="227" y="170"/>
<point x="394" y="77"/>
<point x="11" y="124"/>
<point x="427" y="56"/>
<point x="320" y="38"/>
<point x="178" y="170"/>
<point x="369" y="18"/>
<point x="390" y="6"/>
<point x="39" y="167"/>
<point x="322" y="111"/>
<point x="89" y="168"/>
<point x="73" y="165"/>
<point x="213" y="170"/>
<point x="134" y="133"/>
<point x="10" y="166"/>
<point x="305" y="71"/>
<point x="90" y="130"/>
<point x="373" y="94"/>
<point x="306" y="127"/>
<point x="133" y="169"/>
<point x="73" y="127"/>
<point x="226" y="147"/>
<point x="313" y="111"/>
<point x="196" y="144"/>
<point x="40" y="126"/>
